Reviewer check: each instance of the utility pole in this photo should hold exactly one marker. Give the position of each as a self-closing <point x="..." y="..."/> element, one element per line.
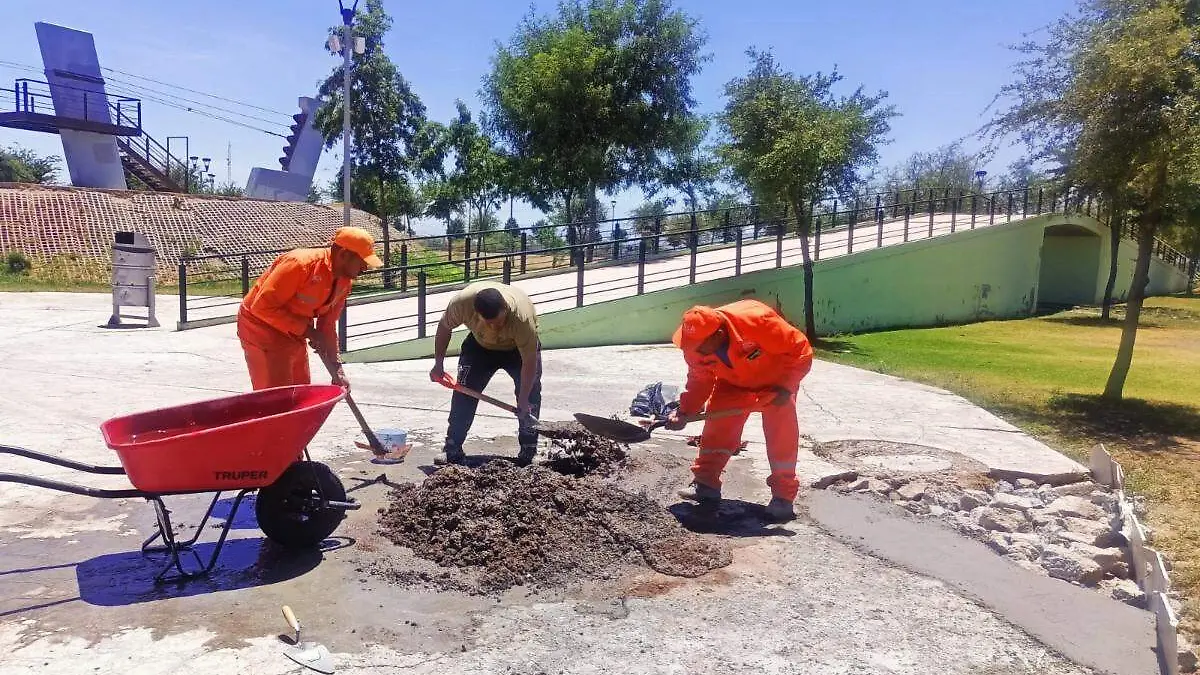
<point x="229" y="163"/>
<point x="347" y="48"/>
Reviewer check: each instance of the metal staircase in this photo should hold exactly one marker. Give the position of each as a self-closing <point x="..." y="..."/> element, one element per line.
<point x="150" y="163"/>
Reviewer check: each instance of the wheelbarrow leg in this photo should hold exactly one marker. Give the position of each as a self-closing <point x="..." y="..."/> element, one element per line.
<point x="174" y="548"/>
<point x="146" y="548"/>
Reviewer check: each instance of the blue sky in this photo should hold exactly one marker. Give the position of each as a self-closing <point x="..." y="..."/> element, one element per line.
<point x="941" y="61"/>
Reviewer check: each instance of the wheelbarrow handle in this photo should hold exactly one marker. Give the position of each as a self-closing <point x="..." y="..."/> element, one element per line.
<point x="447" y="380"/>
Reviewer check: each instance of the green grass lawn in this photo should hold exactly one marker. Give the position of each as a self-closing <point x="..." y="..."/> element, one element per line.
<point x="1045" y="375"/>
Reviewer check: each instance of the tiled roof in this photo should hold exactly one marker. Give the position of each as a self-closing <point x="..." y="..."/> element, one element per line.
<point x="75" y="227"/>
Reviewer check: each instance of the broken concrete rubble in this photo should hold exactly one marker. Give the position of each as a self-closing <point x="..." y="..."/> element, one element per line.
<point x="1014" y="502"/>
<point x="1004" y="520"/>
<point x="1124" y="590"/>
<point x="1063" y="563"/>
<point x="1069" y="531"/>
<point x="912" y="491"/>
<point x="1076" y="507"/>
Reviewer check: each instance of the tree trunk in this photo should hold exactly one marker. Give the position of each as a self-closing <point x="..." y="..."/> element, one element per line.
<point x="1147" y="227"/>
<point x="572" y="238"/>
<point x="1193" y="268"/>
<point x="810" y="323"/>
<point x="1114" y="225"/>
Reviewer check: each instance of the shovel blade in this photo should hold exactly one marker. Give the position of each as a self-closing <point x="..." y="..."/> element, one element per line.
<point x="617" y="430"/>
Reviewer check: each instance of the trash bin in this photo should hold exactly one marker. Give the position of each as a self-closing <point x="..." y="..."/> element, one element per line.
<point x="133" y="277"/>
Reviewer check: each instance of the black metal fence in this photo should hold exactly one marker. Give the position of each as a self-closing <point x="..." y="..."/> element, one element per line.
<point x="654" y="253"/>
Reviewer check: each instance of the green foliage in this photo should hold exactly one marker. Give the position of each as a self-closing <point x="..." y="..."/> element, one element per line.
<point x="21" y="165"/>
<point x="487" y="222"/>
<point x="479" y="175"/>
<point x="948" y="166"/>
<point x="437" y="270"/>
<point x="547" y="235"/>
<point x="17" y="262"/>
<point x="789" y="139"/>
<point x="1110" y="95"/>
<point x="591" y="98"/>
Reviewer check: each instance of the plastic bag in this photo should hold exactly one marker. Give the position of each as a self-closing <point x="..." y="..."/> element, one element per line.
<point x="656" y="400"/>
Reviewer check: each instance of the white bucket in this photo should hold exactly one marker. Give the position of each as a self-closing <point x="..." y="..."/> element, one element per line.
<point x="393" y="440"/>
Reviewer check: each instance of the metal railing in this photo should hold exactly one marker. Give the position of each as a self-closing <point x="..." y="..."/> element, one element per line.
<point x="170" y="169"/>
<point x="211" y="286"/>
<point x="34" y="97"/>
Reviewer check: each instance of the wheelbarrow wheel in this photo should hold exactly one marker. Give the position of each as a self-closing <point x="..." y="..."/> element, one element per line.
<point x="289" y="510"/>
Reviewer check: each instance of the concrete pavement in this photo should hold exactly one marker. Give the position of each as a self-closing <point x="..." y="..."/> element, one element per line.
<point x="796" y="602"/>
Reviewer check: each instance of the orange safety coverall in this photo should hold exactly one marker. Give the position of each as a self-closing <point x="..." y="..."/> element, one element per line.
<point x="277" y="312"/>
<point x="765" y="351"/>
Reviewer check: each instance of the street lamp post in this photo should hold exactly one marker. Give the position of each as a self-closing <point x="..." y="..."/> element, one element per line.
<point x="347" y="45"/>
<point x="980" y="174"/>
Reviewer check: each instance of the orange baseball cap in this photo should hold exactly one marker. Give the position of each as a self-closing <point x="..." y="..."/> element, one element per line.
<point x="360" y="242"/>
<point x="698" y="323"/>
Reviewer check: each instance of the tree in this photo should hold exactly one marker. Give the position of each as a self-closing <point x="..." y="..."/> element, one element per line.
<point x="946" y="167"/>
<point x="789" y="139"/>
<point x="592" y="98"/>
<point x="21" y="165"/>
<point x="315" y="195"/>
<point x="691" y="168"/>
<point x="386" y="120"/>
<point x="478" y="177"/>
<point x="1111" y="93"/>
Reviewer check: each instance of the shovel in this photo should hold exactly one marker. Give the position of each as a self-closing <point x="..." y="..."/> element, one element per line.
<point x="448" y="382"/>
<point x="308" y="654"/>
<point x="627" y="432"/>
<point x="374" y="444"/>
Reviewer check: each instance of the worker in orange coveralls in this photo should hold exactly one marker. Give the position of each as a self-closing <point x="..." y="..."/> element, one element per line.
<point x="277" y="315"/>
<point x="742" y="355"/>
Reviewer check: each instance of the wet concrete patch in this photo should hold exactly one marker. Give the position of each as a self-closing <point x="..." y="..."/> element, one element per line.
<point x="1089" y="629"/>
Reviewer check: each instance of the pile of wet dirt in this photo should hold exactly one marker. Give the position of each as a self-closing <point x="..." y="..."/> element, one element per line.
<point x="500" y="526"/>
<point x="575" y="451"/>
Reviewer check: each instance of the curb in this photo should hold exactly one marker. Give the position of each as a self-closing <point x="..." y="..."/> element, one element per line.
<point x="1149" y="567"/>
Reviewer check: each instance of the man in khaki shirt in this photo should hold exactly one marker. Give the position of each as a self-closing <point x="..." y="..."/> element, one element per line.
<point x="503" y="335"/>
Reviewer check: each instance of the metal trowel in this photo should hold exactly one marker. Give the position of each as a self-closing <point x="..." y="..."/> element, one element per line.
<point x="308" y="654"/>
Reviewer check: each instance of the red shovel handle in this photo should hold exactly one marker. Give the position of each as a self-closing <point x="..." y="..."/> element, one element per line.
<point x="448" y="382"/>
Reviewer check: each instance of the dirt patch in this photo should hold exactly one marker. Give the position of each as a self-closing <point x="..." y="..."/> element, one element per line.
<point x="686" y="556"/>
<point x="575" y="451"/>
<point x="500" y="526"/>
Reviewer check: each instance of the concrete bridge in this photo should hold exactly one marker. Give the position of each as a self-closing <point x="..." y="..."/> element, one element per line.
<point x="877" y="275"/>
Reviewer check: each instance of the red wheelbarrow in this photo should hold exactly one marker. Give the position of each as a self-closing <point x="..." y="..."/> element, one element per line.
<point x="243" y="443"/>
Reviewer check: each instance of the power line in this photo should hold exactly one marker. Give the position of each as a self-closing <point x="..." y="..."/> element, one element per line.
<point x="176" y="86"/>
<point x="125" y="88"/>
<point x="132" y="86"/>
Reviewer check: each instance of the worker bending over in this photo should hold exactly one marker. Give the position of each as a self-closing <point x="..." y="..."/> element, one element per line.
<point x="742" y="355"/>
<point x="277" y="315"/>
<point x="503" y="335"/>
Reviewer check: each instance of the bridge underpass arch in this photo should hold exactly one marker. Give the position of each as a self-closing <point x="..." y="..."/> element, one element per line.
<point x="1069" y="270"/>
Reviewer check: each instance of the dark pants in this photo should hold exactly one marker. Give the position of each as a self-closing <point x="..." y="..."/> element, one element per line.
<point x="476" y="366"/>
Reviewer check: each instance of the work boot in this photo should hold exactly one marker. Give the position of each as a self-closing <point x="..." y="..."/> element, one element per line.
<point x="780" y="510"/>
<point x="526" y="456"/>
<point x="450" y="456"/>
<point x="699" y="492"/>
